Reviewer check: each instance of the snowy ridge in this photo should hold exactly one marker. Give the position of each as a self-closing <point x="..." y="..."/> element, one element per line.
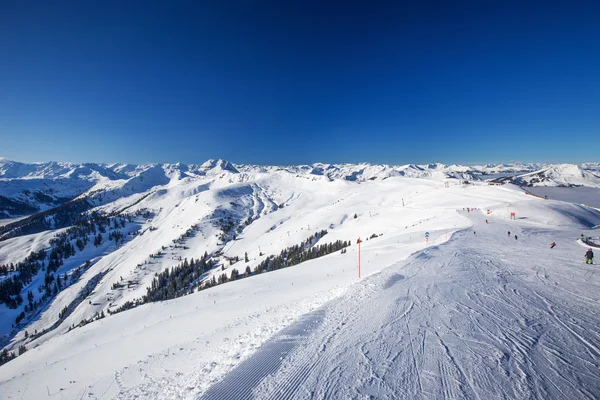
<point x="41" y="186"/>
<point x="45" y="185"/>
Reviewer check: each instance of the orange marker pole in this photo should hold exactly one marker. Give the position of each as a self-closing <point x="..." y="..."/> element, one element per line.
<point x="358" y="257"/>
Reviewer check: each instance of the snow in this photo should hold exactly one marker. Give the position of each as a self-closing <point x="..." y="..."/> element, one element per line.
<point x="53" y="190"/>
<point x="16" y="249"/>
<point x="444" y="302"/>
<point x="206" y="331"/>
<point x="469" y="319"/>
<point x="7" y="221"/>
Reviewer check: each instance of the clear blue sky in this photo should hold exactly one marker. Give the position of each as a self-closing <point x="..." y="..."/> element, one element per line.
<point x="287" y="82"/>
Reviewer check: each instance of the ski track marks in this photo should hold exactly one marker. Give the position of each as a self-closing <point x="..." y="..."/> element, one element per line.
<point x="459" y="321"/>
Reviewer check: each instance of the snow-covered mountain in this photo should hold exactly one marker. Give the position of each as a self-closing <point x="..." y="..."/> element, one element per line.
<point x="563" y="175"/>
<point x="90" y="280"/>
<point x="592" y="166"/>
<point x="490" y="169"/>
<point x="27" y="188"/>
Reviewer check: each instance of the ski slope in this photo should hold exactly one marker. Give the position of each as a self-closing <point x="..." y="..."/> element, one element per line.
<point x="480" y="317"/>
<point x="182" y="347"/>
<point x="309" y="205"/>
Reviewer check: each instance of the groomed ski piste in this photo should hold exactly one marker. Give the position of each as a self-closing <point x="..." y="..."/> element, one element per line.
<point x="473" y="313"/>
<point x="476" y="318"/>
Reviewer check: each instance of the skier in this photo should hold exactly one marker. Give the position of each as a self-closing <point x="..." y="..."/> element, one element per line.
<point x="474" y="233"/>
<point x="589" y="256"/>
<point x="486" y="221"/>
<point x="552" y="245"/>
<point x="516" y="237"/>
<point x="508" y="233"/>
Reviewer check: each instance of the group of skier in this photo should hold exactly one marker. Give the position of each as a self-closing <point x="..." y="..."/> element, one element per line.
<point x="589" y="255"/>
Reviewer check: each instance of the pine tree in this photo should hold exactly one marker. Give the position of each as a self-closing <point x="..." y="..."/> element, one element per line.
<point x="246" y="257"/>
<point x="98" y="240"/>
<point x="79" y="244"/>
<point x="234" y="274"/>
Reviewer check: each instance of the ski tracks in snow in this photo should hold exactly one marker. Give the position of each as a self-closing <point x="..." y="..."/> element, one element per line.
<point x="461" y="321"/>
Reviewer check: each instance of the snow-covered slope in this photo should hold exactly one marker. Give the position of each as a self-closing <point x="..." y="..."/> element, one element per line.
<point x="179" y="348"/>
<point x="480" y="317"/>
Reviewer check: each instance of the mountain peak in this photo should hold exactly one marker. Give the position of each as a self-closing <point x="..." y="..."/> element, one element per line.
<point x="218" y="165"/>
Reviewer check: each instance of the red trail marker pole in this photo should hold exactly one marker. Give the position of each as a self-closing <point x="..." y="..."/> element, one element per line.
<point x="358" y="241"/>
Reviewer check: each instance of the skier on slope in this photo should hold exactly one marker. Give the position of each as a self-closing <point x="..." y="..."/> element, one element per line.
<point x="508" y="233"/>
<point x="516" y="237"/>
<point x="589" y="256"/>
<point x="552" y="245"/>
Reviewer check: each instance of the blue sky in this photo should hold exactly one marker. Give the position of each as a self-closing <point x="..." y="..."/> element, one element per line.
<point x="299" y="82"/>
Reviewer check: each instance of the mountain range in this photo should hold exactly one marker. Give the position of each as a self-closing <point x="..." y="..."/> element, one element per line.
<point x="26" y="188"/>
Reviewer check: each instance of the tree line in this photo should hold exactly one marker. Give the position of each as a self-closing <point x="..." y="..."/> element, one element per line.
<point x="186" y="277"/>
<point x="297" y="254"/>
<point x="179" y="280"/>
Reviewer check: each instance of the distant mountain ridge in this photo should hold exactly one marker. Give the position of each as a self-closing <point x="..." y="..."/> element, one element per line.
<point x="30" y="187"/>
<point x="565" y="175"/>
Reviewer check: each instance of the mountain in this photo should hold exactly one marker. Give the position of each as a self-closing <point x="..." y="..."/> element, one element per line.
<point x="27" y="188"/>
<point x="592" y="166"/>
<point x="512" y="168"/>
<point x="561" y="175"/>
